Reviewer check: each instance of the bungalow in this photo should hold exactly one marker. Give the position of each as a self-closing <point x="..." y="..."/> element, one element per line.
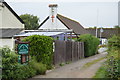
<point x="57" y="26"/>
<point x="57" y="22"/>
<point x="10" y="24"/>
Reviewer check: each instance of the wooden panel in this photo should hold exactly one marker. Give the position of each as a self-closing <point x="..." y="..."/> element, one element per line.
<point x="67" y="51"/>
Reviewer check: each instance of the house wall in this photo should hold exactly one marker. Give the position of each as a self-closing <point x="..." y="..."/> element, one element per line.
<point x="119" y="13"/>
<point x="7" y="42"/>
<point x="0" y="15"/>
<point x="55" y="25"/>
<point x="9" y="20"/>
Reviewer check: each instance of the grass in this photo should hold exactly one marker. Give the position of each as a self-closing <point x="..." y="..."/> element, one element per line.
<point x="62" y="64"/>
<point x="101" y="73"/>
<point x="92" y="62"/>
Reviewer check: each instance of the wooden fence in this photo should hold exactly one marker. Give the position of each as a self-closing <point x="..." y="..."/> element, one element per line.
<point x="68" y="51"/>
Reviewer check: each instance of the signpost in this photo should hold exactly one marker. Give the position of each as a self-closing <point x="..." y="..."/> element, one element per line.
<point x="23" y="48"/>
<point x="23" y="51"/>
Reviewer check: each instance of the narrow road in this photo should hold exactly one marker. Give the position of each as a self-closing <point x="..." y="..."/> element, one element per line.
<point x="76" y="70"/>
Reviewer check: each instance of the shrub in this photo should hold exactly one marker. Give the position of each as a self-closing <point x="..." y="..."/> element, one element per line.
<point x="91" y="44"/>
<point x="42" y="48"/>
<point x="112" y="64"/>
<point x="113" y="57"/>
<point x="39" y="67"/>
<point x="114" y="42"/>
<point x="11" y="69"/>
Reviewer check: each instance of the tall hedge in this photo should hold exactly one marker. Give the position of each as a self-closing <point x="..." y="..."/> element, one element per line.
<point x="90" y="44"/>
<point x="113" y="59"/>
<point x="41" y="47"/>
<point x="114" y="42"/>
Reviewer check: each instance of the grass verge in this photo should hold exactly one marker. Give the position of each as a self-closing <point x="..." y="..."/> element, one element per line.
<point x="93" y="62"/>
<point x="101" y="73"/>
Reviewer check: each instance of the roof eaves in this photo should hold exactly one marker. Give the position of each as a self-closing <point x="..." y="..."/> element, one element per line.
<point x="43" y="21"/>
<point x="13" y="12"/>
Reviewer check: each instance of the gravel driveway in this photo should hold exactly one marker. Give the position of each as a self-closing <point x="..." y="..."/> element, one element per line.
<point x="75" y="69"/>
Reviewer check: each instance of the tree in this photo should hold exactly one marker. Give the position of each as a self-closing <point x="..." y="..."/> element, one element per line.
<point x="31" y="21"/>
<point x="117" y="26"/>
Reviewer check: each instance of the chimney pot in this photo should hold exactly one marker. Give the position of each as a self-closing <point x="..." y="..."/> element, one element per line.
<point x="53" y="5"/>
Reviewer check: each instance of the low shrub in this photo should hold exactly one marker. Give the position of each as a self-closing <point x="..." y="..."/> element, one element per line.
<point x="41" y="47"/>
<point x="91" y="44"/>
<point x="12" y="70"/>
<point x="39" y="67"/>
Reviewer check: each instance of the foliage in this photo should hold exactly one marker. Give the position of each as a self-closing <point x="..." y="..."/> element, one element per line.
<point x="101" y="73"/>
<point x="113" y="57"/>
<point x="117" y="26"/>
<point x="114" y="42"/>
<point x="62" y="64"/>
<point x="31" y="21"/>
<point x="42" y="48"/>
<point x="12" y="70"/>
<point x="112" y="65"/>
<point x="39" y="67"/>
<point x="91" y="44"/>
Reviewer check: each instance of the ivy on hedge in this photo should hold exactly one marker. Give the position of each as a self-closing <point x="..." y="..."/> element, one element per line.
<point x="113" y="59"/>
<point x="90" y="44"/>
<point x="42" y="48"/>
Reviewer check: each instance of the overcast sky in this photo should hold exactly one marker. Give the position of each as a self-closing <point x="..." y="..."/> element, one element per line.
<point x="89" y="13"/>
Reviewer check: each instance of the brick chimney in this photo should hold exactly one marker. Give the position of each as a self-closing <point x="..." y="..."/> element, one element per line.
<point x="53" y="12"/>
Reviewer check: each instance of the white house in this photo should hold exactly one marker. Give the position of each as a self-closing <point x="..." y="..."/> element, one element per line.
<point x="57" y="22"/>
<point x="10" y="24"/>
<point x="119" y="13"/>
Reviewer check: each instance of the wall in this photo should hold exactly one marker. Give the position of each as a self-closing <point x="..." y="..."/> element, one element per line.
<point x="0" y="15"/>
<point x="9" y="20"/>
<point x="119" y="13"/>
<point x="56" y="25"/>
<point x="9" y="42"/>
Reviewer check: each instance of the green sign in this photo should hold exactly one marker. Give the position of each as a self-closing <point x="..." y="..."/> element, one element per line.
<point x="23" y="49"/>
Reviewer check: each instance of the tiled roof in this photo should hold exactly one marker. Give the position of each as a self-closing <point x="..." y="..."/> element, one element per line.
<point x="70" y="24"/>
<point x="8" y="33"/>
<point x="107" y="32"/>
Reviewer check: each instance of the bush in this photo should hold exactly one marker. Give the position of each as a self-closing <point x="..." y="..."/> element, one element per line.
<point x="91" y="44"/>
<point x="39" y="67"/>
<point x="112" y="64"/>
<point x="42" y="48"/>
<point x="114" y="42"/>
<point x="11" y="69"/>
<point x="113" y="58"/>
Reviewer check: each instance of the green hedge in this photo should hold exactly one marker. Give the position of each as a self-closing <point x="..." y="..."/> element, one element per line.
<point x="114" y="42"/>
<point x="90" y="44"/>
<point x="12" y="70"/>
<point x="113" y="59"/>
<point x="111" y="68"/>
<point x="41" y="47"/>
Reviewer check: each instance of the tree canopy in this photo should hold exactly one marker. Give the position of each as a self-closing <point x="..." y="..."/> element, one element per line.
<point x="31" y="21"/>
<point x="117" y="26"/>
